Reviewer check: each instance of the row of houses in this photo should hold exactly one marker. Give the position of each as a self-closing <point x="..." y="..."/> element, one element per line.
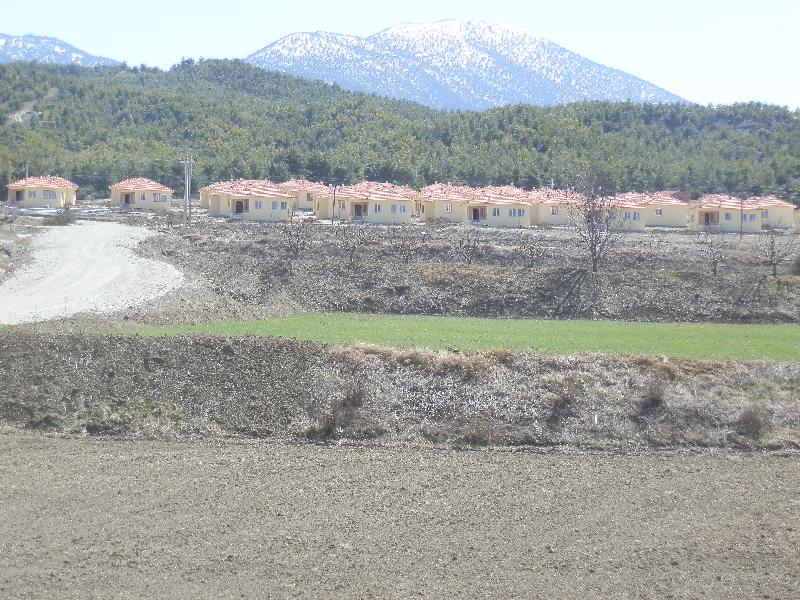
<point x="386" y="203"/>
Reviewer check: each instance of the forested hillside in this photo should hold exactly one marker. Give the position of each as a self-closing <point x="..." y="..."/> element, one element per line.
<point x="103" y="124"/>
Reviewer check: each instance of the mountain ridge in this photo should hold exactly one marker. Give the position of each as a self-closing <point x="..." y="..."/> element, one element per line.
<point x="452" y="64"/>
<point x="46" y="50"/>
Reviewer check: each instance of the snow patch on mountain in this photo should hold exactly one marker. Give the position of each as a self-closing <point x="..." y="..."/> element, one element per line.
<point x="46" y="50"/>
<point x="453" y="64"/>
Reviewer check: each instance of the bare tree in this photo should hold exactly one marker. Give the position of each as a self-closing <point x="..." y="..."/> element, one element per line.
<point x="467" y="246"/>
<point x="405" y="242"/>
<point x="295" y="237"/>
<point x="714" y="247"/>
<point x="532" y="250"/>
<point x="353" y="237"/>
<point x="775" y="248"/>
<point x="594" y="216"/>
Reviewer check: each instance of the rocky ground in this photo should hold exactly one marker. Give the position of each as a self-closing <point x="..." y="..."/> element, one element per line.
<point x="141" y="519"/>
<point x="16" y="235"/>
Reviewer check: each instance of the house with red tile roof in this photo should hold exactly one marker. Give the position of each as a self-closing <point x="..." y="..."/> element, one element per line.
<point x="140" y="193"/>
<point x="499" y="206"/>
<point x="659" y="209"/>
<point x="250" y="199"/>
<point x="722" y="213"/>
<point x="304" y="192"/>
<point x="775" y="213"/>
<point x="42" y="192"/>
<point x="367" y="202"/>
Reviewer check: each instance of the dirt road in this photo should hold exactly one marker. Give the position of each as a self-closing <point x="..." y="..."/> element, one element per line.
<point x="90" y="266"/>
<point x="82" y="518"/>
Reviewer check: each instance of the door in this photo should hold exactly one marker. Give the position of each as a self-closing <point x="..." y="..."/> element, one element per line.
<point x="128" y="198"/>
<point x="20" y="195"/>
<point x="357" y="211"/>
<point x="239" y="207"/>
<point x="706" y="218"/>
<point x="476" y="214"/>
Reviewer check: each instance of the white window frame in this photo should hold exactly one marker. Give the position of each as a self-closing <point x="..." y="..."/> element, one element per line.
<point x="31" y="194"/>
<point x="258" y="204"/>
<point x="765" y="214"/>
<point x="752" y="217"/>
<point x="274" y="205"/>
<point x="394" y="209"/>
<point x="403" y="208"/>
<point x="284" y="205"/>
<point x="659" y="212"/>
<point x="495" y="212"/>
<point x="448" y="208"/>
<point x="553" y="210"/>
<point x="376" y="208"/>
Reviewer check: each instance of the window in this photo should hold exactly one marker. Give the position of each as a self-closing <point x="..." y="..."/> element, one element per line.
<point x="274" y="205"/>
<point x="403" y="208"/>
<point x="376" y="208"/>
<point x="284" y="206"/>
<point x="341" y="205"/>
<point x="258" y="204"/>
<point x="448" y="208"/>
<point x="752" y="217"/>
<point x="156" y="197"/>
<point x="31" y="194"/>
<point x="142" y="197"/>
<point x="49" y="195"/>
<point x="727" y="216"/>
<point x="764" y="214"/>
<point x="521" y="212"/>
<point x="163" y="197"/>
<point x="553" y="210"/>
<point x="744" y="217"/>
<point x="659" y="212"/>
<point x="495" y="212"/>
<point x="394" y="209"/>
<point x="627" y="215"/>
<point x="635" y="215"/>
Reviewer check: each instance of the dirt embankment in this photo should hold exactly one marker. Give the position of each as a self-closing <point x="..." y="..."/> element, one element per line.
<point x="257" y="270"/>
<point x="286" y="389"/>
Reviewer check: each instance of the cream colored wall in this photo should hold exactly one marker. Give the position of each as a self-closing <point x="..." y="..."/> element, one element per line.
<point x="671" y="215"/>
<point x="304" y="200"/>
<point x="630" y="223"/>
<point x="797" y="220"/>
<point x="733" y="225"/>
<point x="385" y="216"/>
<point x="118" y="198"/>
<point x="205" y="199"/>
<point x="64" y="196"/>
<point x="435" y="210"/>
<point x="504" y="219"/>
<point x="218" y="205"/>
<point x="266" y="212"/>
<point x="780" y="217"/>
<point x="546" y="218"/>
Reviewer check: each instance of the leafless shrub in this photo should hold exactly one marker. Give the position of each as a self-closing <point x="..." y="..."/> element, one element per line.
<point x="567" y="394"/>
<point x="341" y="414"/>
<point x="594" y="217"/>
<point x="654" y="400"/>
<point x="353" y="237"/>
<point x="405" y="243"/>
<point x="796" y="266"/>
<point x="467" y="246"/>
<point x="753" y="421"/>
<point x="714" y="247"/>
<point x="775" y="248"/>
<point x="64" y="216"/>
<point x="295" y="236"/>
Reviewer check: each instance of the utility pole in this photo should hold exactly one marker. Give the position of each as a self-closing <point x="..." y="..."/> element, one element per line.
<point x="188" y="163"/>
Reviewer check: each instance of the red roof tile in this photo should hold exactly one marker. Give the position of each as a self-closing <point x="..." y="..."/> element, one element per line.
<point x="45" y="181"/>
<point x="140" y="183"/>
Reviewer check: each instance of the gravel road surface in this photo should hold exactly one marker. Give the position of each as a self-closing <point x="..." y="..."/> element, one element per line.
<point x="87" y="267"/>
<point x="82" y="518"/>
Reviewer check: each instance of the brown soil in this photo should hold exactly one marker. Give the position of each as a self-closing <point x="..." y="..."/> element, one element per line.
<point x="92" y="519"/>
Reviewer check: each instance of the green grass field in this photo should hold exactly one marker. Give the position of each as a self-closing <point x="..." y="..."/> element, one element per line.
<point x="690" y="340"/>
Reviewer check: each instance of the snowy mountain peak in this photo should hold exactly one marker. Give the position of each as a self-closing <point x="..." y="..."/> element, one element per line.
<point x="455" y="64"/>
<point x="46" y="50"/>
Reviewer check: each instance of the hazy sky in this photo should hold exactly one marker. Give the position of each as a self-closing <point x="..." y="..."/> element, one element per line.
<point x="708" y="51"/>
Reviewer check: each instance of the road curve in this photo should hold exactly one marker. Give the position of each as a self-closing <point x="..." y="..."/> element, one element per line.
<point x="87" y="267"/>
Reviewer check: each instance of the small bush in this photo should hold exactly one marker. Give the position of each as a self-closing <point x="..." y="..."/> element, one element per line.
<point x="653" y="396"/>
<point x="567" y="395"/>
<point x="753" y="422"/>
<point x="795" y="268"/>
